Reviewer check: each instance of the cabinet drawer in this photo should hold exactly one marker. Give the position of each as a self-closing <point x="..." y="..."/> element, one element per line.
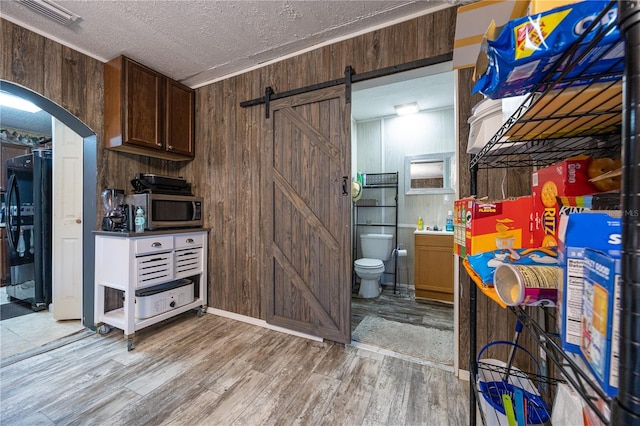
<point x="189" y="240"/>
<point x="155" y="268"/>
<point x="188" y="262"/>
<point x="434" y="240"/>
<point x="153" y="244"/>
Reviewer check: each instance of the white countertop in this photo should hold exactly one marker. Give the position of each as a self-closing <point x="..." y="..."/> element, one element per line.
<point x="430" y="232"/>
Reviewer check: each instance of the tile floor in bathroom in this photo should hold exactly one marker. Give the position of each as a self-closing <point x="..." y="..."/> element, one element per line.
<point x="28" y="332"/>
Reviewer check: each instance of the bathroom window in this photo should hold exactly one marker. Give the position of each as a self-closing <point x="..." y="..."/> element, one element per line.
<point x="429" y="174"/>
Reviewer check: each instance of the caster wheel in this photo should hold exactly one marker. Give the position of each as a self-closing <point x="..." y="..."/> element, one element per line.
<point x="130" y="345"/>
<point x="103" y="329"/>
<point x="201" y="312"/>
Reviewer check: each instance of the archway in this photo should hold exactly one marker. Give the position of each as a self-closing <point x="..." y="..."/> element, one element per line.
<point x="89" y="184"/>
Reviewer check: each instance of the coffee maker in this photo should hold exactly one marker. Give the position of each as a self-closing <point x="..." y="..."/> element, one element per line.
<point x="118" y="215"/>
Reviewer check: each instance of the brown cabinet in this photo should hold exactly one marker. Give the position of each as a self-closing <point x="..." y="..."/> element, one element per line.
<point x="147" y="113"/>
<point x="7" y="151"/>
<point x="433" y="266"/>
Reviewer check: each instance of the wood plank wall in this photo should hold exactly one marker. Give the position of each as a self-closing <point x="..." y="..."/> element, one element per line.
<point x="229" y="141"/>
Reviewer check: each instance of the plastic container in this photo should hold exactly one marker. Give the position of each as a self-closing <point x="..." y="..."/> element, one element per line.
<point x="495" y="380"/>
<point x="139" y="220"/>
<point x="485" y="122"/>
<point x="449" y="225"/>
<point x="420" y="224"/>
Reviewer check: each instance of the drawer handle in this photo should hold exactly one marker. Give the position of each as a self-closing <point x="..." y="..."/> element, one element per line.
<point x="156" y="244"/>
<point x="190" y="240"/>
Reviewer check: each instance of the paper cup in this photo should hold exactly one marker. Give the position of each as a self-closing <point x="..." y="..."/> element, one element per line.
<point x="526" y="285"/>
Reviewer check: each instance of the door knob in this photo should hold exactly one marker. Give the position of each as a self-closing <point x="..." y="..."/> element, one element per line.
<point x="78" y="220"/>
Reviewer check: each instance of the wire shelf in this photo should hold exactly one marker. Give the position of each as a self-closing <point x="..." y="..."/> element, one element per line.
<point x="563" y="117"/>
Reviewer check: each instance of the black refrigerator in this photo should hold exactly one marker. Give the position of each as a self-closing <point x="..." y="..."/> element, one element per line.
<point x="29" y="215"/>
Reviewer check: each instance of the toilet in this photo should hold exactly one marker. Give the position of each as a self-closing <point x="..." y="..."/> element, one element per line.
<point x="376" y="249"/>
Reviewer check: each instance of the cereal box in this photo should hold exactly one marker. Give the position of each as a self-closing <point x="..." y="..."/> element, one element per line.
<point x="600" y="331"/>
<point x="566" y="178"/>
<point x="578" y="231"/>
<point x="481" y="226"/>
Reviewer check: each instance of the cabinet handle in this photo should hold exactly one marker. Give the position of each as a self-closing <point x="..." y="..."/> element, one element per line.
<point x="156" y="244"/>
<point x="159" y="144"/>
<point x="170" y="147"/>
<point x="190" y="240"/>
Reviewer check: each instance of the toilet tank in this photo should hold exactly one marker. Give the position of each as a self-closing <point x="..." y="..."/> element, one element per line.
<point x="377" y="246"/>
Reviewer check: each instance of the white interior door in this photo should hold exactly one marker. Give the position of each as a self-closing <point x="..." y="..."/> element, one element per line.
<point x="67" y="222"/>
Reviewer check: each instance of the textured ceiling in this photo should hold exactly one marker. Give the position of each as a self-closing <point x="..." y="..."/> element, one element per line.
<point x="197" y="42"/>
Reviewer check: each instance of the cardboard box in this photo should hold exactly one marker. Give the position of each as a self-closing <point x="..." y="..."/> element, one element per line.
<point x="472" y="22"/>
<point x="578" y="231"/>
<point x="566" y="178"/>
<point x="600" y="338"/>
<point x="537" y="6"/>
<point x="492" y="225"/>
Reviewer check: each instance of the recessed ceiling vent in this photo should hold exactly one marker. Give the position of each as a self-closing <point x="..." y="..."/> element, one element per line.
<point x="52" y="11"/>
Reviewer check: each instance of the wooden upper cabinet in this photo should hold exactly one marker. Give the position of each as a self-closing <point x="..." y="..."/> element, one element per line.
<point x="180" y="119"/>
<point x="147" y="113"/>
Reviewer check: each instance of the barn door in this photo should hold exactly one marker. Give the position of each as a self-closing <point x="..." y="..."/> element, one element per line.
<point x="308" y="250"/>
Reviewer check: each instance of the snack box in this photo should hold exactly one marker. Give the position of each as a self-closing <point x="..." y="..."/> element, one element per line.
<point x="578" y="231"/>
<point x="515" y="58"/>
<point x="600" y="338"/>
<point x="492" y="225"/>
<point x="566" y="178"/>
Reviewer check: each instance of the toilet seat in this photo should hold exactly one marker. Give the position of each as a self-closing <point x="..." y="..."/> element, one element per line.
<point x="365" y="263"/>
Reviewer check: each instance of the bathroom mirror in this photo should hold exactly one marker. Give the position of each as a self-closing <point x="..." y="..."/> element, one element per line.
<point x="428" y="174"/>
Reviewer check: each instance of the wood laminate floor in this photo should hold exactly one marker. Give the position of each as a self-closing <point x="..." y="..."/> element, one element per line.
<point x="217" y="371"/>
<point x="402" y="307"/>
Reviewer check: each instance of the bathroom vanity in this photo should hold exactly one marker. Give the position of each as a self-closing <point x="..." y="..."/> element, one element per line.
<point x="433" y="265"/>
<point x="160" y="274"/>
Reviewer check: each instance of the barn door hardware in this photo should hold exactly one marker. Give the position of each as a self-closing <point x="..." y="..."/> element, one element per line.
<point x="345" y="185"/>
<point x="350" y="77"/>
<point x="268" y="92"/>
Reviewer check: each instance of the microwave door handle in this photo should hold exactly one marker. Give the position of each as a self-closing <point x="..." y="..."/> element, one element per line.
<point x="193" y="209"/>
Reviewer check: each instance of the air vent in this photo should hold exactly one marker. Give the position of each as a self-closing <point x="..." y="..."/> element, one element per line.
<point x="51" y="11"/>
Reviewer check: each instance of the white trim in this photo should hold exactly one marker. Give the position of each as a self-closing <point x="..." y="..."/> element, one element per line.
<point x="375" y="349"/>
<point x="464" y="375"/>
<point x="261" y="323"/>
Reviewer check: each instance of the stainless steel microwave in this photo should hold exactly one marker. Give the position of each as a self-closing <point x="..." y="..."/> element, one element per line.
<point x="165" y="211"/>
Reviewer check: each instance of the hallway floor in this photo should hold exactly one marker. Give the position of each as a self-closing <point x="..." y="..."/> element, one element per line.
<point x="29" y="332"/>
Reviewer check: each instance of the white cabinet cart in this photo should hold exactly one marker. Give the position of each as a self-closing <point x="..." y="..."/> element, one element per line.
<point x="153" y="260"/>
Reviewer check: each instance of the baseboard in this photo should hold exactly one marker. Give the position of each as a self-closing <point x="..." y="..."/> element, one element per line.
<point x="261" y="323"/>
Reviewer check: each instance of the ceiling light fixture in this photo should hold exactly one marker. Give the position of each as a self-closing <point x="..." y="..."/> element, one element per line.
<point x="52" y="11"/>
<point x="405" y="109"/>
<point x="8" y="100"/>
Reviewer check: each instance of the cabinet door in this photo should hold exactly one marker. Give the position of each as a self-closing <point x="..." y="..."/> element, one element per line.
<point x="434" y="267"/>
<point x="6" y="152"/>
<point x="180" y="119"/>
<point x="144" y="106"/>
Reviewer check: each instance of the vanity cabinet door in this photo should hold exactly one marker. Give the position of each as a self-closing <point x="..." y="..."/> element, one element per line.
<point x="434" y="267"/>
